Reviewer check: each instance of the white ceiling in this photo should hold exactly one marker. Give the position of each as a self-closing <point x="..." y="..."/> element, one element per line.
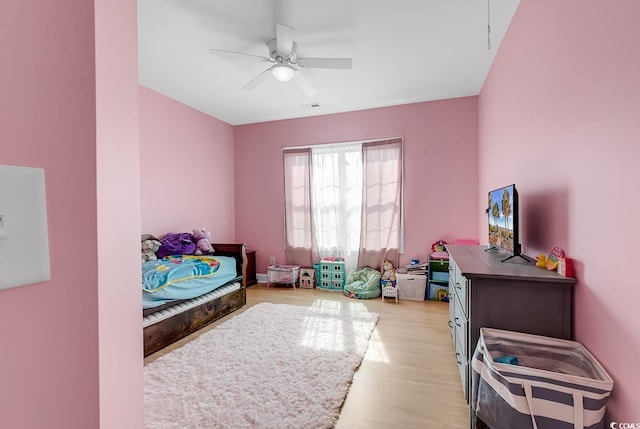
<point x="404" y="51"/>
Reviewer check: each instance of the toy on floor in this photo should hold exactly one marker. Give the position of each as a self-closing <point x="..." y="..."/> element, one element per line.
<point x="307" y="277"/>
<point x="202" y="238"/>
<point x="388" y="271"/>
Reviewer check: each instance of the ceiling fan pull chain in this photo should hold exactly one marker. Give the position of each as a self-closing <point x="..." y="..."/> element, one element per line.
<point x="489" y="24"/>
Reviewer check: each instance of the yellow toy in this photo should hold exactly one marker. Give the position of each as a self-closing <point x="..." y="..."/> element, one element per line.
<point x="541" y="261"/>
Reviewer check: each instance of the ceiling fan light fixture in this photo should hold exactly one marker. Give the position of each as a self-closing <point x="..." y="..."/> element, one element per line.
<point x="283" y="72"/>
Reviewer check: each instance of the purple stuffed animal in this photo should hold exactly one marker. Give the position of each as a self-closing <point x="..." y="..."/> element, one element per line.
<point x="176" y="244"/>
<point x="202" y="237"/>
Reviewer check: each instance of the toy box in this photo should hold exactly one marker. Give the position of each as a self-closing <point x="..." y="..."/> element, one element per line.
<point x="438" y="292"/>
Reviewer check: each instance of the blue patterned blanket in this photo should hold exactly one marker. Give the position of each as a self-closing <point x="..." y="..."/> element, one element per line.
<point x="183" y="277"/>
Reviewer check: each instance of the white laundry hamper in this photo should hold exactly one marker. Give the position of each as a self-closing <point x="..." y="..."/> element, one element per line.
<point x="557" y="384"/>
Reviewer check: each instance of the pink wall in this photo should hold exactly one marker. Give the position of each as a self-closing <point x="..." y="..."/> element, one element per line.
<point x="440" y="170"/>
<point x="69" y="105"/>
<point x="559" y="117"/>
<point x="118" y="203"/>
<point x="49" y="331"/>
<point x="186" y="169"/>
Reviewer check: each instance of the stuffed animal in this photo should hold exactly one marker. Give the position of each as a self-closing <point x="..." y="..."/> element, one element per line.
<point x="438" y="246"/>
<point x="202" y="237"/>
<point x="149" y="249"/>
<point x="388" y="271"/>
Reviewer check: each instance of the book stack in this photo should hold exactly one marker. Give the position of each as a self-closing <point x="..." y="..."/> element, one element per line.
<point x="417" y="269"/>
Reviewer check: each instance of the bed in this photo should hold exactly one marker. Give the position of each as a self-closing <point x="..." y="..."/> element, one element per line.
<point x="178" y="304"/>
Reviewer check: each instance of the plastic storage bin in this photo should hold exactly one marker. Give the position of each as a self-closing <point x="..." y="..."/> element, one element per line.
<point x="556" y="383"/>
<point x="411" y="286"/>
<point x="438" y="292"/>
<point x="440" y="276"/>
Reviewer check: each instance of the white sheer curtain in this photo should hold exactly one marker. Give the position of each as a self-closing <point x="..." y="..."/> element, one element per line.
<point x="336" y="201"/>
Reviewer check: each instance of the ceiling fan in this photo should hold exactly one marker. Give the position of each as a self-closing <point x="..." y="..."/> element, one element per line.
<point x="286" y="63"/>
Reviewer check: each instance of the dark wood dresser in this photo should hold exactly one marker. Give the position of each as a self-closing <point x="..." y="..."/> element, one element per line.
<point x="514" y="295"/>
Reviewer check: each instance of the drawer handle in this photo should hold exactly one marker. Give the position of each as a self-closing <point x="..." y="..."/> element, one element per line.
<point x="457" y="324"/>
<point x="458" y="286"/>
<point x="450" y="325"/>
<point x="459" y="363"/>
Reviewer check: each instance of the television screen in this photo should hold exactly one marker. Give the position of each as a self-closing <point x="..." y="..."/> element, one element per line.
<point x="503" y="219"/>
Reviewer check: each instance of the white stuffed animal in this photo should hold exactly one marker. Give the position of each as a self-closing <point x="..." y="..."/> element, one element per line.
<point x="149" y="249"/>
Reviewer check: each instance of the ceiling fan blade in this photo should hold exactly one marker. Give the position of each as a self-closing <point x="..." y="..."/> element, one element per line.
<point x="304" y="84"/>
<point x="224" y="51"/>
<point x="284" y="39"/>
<point x="258" y="79"/>
<point x="326" y="63"/>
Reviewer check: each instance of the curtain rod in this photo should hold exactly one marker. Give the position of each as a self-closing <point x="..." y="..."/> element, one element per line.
<point x="339" y="144"/>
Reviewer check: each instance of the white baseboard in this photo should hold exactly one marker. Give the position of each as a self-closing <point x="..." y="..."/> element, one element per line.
<point x="262" y="277"/>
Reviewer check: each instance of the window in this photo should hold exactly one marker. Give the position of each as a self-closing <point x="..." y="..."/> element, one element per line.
<point x="344" y="200"/>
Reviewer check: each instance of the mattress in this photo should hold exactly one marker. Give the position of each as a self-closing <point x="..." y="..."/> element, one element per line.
<point x="181" y="277"/>
<point x="188" y="304"/>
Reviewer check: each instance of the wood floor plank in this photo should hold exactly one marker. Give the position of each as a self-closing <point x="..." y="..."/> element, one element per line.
<point x="408" y="378"/>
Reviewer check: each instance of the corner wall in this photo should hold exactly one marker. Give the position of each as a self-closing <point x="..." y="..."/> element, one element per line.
<point x="559" y="117"/>
<point x="117" y="163"/>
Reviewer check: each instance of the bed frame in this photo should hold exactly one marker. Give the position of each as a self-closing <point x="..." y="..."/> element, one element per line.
<point x="168" y="331"/>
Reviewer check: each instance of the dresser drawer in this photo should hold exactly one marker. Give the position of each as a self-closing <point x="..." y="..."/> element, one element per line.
<point x="452" y="306"/>
<point x="460" y="286"/>
<point x="452" y="277"/>
<point x="463" y="368"/>
<point x="461" y="328"/>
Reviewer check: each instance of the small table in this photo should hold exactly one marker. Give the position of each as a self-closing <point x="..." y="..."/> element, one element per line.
<point x="251" y="268"/>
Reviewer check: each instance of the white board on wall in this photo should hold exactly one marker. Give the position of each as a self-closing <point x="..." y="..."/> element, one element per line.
<point x="24" y="237"/>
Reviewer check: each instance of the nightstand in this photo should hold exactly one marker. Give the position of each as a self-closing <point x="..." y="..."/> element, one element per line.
<point x="251" y="268"/>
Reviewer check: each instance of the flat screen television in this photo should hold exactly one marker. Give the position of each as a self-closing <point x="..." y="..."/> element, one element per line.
<point x="503" y="221"/>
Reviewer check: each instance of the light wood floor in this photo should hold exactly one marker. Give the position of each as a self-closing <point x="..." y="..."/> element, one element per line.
<point x="409" y="377"/>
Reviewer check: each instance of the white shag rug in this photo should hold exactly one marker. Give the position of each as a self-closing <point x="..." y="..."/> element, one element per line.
<point x="273" y="366"/>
